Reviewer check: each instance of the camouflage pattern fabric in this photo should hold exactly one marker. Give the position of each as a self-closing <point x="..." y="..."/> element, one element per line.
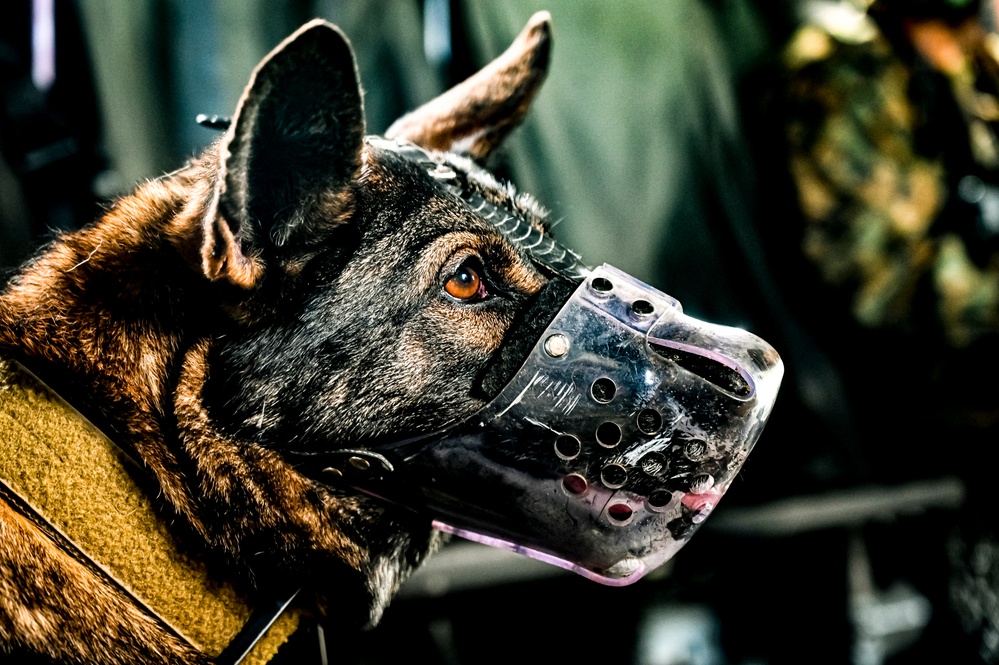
<point x="873" y="198"/>
<point x="895" y="167"/>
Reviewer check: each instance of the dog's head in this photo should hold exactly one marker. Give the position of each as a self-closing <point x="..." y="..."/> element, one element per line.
<point x="401" y="325"/>
<point x="374" y="297"/>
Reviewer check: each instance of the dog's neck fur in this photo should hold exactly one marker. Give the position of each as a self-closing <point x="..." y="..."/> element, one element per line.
<point x="124" y="271"/>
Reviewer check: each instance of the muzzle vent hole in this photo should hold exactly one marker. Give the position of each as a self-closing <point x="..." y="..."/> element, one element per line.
<point x="614" y="476"/>
<point x="654" y="464"/>
<point x="695" y="449"/>
<point x="701" y="483"/>
<point x="609" y="434"/>
<point x="567" y="447"/>
<point x="660" y="498"/>
<point x="761" y="359"/>
<point x="649" y="421"/>
<point x="574" y="484"/>
<point x="642" y="308"/>
<point x="620" y="512"/>
<point x="359" y="463"/>
<point x="710" y="370"/>
<point x="603" y="390"/>
<point x="602" y="285"/>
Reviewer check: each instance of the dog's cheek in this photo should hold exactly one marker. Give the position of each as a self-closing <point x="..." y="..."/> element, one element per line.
<point x="468" y="331"/>
<point x="446" y="350"/>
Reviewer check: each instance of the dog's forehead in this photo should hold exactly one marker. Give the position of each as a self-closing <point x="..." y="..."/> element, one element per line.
<point x="516" y="217"/>
<point x="385" y="159"/>
<point x="410" y="209"/>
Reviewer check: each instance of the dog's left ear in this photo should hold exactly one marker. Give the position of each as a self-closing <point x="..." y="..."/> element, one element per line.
<point x="475" y="115"/>
<point x="295" y="142"/>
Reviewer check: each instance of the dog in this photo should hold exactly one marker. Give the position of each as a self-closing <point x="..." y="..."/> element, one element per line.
<point x="297" y="244"/>
<point x="297" y="287"/>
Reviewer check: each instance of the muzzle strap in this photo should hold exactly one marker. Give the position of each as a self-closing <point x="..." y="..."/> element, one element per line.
<point x="524" y="333"/>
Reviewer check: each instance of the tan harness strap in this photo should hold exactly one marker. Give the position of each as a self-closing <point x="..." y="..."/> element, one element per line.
<point x="84" y="488"/>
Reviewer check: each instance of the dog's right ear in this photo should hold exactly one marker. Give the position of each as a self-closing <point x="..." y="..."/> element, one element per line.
<point x="295" y="142"/>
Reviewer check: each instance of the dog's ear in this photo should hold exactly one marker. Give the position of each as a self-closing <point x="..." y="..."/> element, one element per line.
<point x="474" y="116"/>
<point x="295" y="142"/>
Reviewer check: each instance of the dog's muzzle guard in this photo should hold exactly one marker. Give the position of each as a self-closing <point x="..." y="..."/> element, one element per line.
<point x="611" y="444"/>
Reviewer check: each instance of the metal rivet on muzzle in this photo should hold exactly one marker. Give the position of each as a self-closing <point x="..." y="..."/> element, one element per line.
<point x="359" y="463"/>
<point x="557" y="345"/>
<point x="567" y="447"/>
<point x="335" y="473"/>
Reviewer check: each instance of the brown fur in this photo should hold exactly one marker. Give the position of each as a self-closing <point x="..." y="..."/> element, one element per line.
<point x="132" y="316"/>
<point x="55" y="604"/>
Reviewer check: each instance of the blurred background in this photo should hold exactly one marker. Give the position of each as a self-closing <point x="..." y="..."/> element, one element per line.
<point x="823" y="173"/>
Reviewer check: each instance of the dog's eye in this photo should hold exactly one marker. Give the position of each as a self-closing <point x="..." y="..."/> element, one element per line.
<point x="465" y="284"/>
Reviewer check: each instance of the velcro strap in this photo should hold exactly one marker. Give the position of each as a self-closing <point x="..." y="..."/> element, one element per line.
<point x="87" y="490"/>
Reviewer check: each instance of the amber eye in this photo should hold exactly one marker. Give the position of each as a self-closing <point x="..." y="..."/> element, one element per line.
<point x="465" y="284"/>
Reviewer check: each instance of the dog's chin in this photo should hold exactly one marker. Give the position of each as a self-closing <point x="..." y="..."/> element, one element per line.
<point x="396" y="540"/>
<point x="385" y="576"/>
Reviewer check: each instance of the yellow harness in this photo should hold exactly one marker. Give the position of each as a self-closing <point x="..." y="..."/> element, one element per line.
<point x="83" y="488"/>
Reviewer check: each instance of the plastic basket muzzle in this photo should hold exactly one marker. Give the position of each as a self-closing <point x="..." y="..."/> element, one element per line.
<point x="609" y="447"/>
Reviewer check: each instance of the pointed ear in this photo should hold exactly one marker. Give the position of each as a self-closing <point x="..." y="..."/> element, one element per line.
<point x="295" y="142"/>
<point x="474" y="116"/>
